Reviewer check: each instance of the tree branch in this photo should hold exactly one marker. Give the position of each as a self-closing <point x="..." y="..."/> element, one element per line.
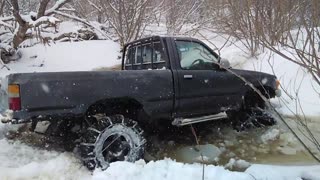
<point x="16" y="13"/>
<point x="56" y="7"/>
<point x="42" y="8"/>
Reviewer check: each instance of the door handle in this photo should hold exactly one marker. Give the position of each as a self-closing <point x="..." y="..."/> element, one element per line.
<point x="187" y="76"/>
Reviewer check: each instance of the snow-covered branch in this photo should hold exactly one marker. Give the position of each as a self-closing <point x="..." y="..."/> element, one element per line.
<point x="42" y="8"/>
<point x="56" y="7"/>
<point x="44" y="20"/>
<point x="84" y="21"/>
<point x="3" y="23"/>
<point x="95" y="6"/>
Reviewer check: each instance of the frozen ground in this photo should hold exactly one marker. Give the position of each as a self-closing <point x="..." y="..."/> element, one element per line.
<point x="20" y="160"/>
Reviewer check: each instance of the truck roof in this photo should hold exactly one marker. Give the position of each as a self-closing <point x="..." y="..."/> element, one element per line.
<point x="152" y="38"/>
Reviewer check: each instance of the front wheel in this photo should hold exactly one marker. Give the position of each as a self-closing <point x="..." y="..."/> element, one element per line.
<point x="253" y="117"/>
<point x="110" y="139"/>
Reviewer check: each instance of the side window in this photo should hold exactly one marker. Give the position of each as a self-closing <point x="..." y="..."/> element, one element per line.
<point x="158" y="55"/>
<point x="138" y="55"/>
<point x="147" y="53"/>
<point x="194" y="55"/>
<point x="129" y="57"/>
<point x="159" y="61"/>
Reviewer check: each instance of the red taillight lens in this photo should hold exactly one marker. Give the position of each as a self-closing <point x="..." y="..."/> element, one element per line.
<point x="14" y="97"/>
<point x="15" y="104"/>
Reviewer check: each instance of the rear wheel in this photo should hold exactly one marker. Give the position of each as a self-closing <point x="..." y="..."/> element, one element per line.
<point x="110" y="139"/>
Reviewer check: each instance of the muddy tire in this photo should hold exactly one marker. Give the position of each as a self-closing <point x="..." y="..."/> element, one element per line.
<point x="110" y="139"/>
<point x="261" y="117"/>
<point x="254" y="117"/>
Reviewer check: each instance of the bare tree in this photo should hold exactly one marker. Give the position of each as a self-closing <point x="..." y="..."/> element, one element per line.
<point x="127" y="18"/>
<point x="18" y="19"/>
<point x="28" y="19"/>
<point x="301" y="43"/>
<point x="181" y="12"/>
<point x="250" y="20"/>
<point x="32" y="20"/>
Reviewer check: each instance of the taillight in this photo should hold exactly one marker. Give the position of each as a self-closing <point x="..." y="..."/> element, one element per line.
<point x="14" y="97"/>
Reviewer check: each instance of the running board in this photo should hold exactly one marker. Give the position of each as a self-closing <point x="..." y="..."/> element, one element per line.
<point x="187" y="121"/>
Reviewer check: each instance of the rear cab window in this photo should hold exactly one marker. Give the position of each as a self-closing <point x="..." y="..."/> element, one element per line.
<point x="148" y="56"/>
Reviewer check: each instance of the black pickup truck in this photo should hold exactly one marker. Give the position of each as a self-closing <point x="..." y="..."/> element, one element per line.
<point x="163" y="79"/>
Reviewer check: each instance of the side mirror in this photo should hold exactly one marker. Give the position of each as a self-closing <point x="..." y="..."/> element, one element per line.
<point x="224" y="63"/>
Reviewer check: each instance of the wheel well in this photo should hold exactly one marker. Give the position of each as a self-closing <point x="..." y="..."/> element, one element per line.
<point x="252" y="99"/>
<point x="125" y="106"/>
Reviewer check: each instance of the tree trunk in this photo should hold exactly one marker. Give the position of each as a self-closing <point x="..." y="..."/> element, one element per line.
<point x="20" y="36"/>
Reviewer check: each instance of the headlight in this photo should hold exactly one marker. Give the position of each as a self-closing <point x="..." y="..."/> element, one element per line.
<point x="277" y="84"/>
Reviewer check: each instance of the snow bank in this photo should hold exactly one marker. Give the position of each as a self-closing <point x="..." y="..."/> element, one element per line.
<point x="19" y="161"/>
<point x="165" y="169"/>
<point x="65" y="56"/>
<point x="294" y="80"/>
<point x="284" y="172"/>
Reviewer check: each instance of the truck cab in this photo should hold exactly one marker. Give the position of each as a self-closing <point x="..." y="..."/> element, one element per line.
<point x="201" y="86"/>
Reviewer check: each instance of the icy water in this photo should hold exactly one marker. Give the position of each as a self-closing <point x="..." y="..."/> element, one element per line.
<point x="218" y="144"/>
<point x="270" y="145"/>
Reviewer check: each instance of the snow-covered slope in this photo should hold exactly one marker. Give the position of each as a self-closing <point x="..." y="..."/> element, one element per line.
<point x="66" y="56"/>
<point x="300" y="93"/>
<point x="19" y="161"/>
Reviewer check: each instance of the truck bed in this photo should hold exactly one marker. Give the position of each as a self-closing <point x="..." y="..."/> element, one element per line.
<point x="45" y="94"/>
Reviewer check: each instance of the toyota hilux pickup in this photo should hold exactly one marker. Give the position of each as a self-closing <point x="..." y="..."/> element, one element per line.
<point x="163" y="80"/>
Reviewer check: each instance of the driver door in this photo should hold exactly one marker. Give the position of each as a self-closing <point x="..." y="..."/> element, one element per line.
<point x="203" y="86"/>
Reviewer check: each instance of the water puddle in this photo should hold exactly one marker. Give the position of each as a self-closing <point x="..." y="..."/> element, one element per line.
<point x="220" y="144"/>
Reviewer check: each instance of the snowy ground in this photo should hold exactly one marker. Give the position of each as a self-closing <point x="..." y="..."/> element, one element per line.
<point x="20" y="160"/>
<point x="66" y="56"/>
